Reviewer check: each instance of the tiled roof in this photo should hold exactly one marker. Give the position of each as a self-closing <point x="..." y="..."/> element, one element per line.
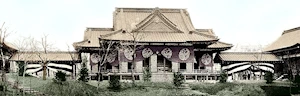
<point x="247" y="56"/>
<point x="50" y="56"/>
<point x="220" y="44"/>
<point x="287" y="39"/>
<point x="91" y="37"/>
<point x="125" y="17"/>
<point x="159" y="37"/>
<point x="152" y="25"/>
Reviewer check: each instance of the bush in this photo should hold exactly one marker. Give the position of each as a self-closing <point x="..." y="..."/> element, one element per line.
<point x="178" y="79"/>
<point x="147" y="74"/>
<point x="114" y="83"/>
<point x="297" y="80"/>
<point x="212" y="89"/>
<point x="72" y="88"/>
<point x="242" y="90"/>
<point x="269" y="77"/>
<point x="223" y="76"/>
<point x="83" y="75"/>
<point x="60" y="77"/>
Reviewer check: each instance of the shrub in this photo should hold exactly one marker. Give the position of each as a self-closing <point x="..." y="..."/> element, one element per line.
<point x="147" y="74"/>
<point x="83" y="76"/>
<point x="178" y="79"/>
<point x="114" y="83"/>
<point x="242" y="90"/>
<point x="223" y="76"/>
<point x="297" y="80"/>
<point x="269" y="77"/>
<point x="212" y="89"/>
<point x="60" y="77"/>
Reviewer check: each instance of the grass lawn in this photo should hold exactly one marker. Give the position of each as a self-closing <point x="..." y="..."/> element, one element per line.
<point x="29" y="81"/>
<point x="75" y="88"/>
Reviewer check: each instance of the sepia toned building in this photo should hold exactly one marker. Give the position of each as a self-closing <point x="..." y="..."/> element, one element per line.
<point x="287" y="48"/>
<point x="248" y="65"/>
<point x="162" y="39"/>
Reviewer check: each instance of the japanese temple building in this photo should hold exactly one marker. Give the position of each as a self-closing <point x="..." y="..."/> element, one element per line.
<point x="167" y="42"/>
<point x="287" y="47"/>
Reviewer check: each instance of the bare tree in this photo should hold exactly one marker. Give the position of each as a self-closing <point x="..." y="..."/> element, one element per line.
<point x="41" y="49"/>
<point x="72" y="55"/>
<point x="134" y="45"/>
<point x="105" y="49"/>
<point x="24" y="47"/>
<point x="3" y="35"/>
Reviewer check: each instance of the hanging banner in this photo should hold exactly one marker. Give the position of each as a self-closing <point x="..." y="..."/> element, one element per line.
<point x="205" y="59"/>
<point x="180" y="54"/>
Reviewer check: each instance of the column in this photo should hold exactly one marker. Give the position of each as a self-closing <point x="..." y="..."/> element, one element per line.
<point x="123" y="67"/>
<point x="189" y="67"/>
<point x="153" y="63"/>
<point x="175" y="66"/>
<point x="115" y="69"/>
<point x="139" y="66"/>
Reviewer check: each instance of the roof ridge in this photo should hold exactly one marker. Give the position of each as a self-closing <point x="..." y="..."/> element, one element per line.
<point x="246" y="52"/>
<point x="128" y="9"/>
<point x="98" y="29"/>
<point x="109" y="34"/>
<point x="60" y="52"/>
<point x="291" y="30"/>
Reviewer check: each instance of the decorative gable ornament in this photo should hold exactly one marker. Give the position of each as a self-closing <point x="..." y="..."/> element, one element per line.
<point x="167" y="52"/>
<point x="128" y="53"/>
<point x="184" y="54"/>
<point x="147" y="52"/>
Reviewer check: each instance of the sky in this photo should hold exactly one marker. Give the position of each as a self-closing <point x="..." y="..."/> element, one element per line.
<point x="238" y="22"/>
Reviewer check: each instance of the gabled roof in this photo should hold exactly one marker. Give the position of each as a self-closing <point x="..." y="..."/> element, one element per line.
<point x="156" y="25"/>
<point x="247" y="56"/>
<point x="220" y="44"/>
<point x="50" y="56"/>
<point x="287" y="39"/>
<point x="91" y="37"/>
<point x="127" y="18"/>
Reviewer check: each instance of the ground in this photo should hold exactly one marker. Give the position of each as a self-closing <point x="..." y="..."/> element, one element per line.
<point x="241" y="88"/>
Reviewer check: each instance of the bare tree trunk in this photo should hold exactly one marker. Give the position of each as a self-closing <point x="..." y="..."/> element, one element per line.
<point x="99" y="75"/>
<point x="44" y="71"/>
<point x="3" y="69"/>
<point x="3" y="66"/>
<point x="132" y="73"/>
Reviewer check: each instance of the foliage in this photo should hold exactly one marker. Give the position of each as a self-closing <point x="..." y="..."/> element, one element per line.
<point x="178" y="79"/>
<point x="72" y="88"/>
<point x="147" y="74"/>
<point x="269" y="77"/>
<point x="211" y="88"/>
<point x="83" y="76"/>
<point x="297" y="80"/>
<point x="242" y="90"/>
<point x="60" y="77"/>
<point x="223" y="76"/>
<point x="114" y="83"/>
